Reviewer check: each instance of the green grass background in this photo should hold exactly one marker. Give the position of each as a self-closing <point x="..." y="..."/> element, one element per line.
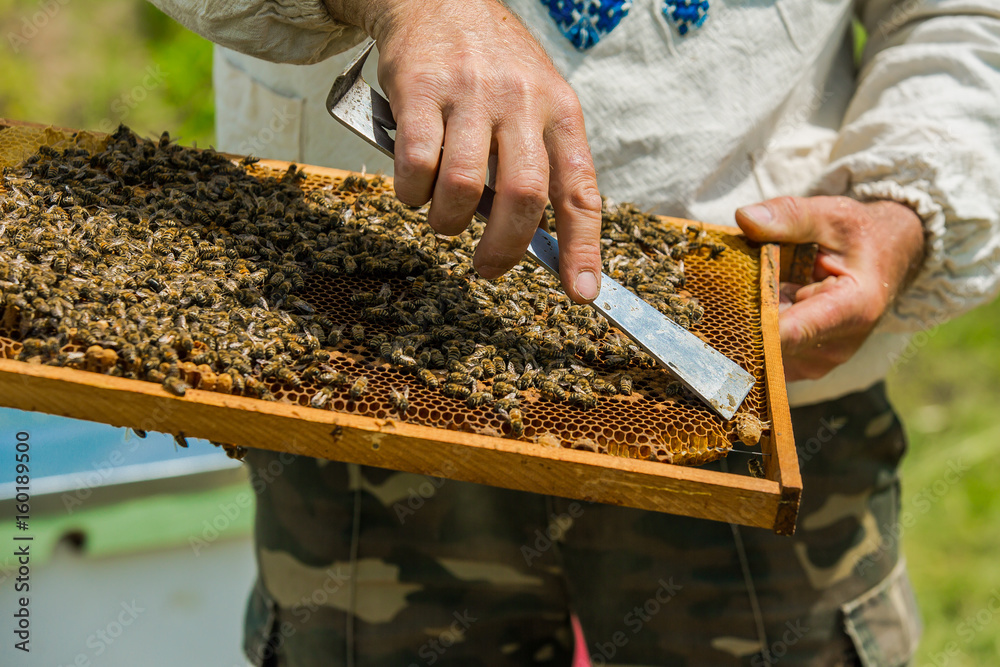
<point x="82" y="65"/>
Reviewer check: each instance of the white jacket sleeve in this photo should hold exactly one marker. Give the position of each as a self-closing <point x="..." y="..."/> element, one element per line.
<point x="923" y="129"/>
<point x="282" y="31"/>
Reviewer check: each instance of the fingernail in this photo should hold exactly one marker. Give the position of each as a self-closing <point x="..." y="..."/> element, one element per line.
<point x="489" y="272"/>
<point x="586" y="285"/>
<point x="757" y="213"/>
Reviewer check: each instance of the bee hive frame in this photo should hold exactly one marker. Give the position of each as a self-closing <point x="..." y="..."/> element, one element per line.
<point x="771" y="502"/>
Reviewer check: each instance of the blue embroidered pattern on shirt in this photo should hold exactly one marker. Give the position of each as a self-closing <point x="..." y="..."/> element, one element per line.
<point x="686" y="14"/>
<point x="585" y="22"/>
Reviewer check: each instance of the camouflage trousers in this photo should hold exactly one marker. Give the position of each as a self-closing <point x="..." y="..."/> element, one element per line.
<point x="368" y="567"/>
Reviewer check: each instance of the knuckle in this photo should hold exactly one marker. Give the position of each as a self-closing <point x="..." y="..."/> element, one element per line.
<point x="414" y="161"/>
<point x="416" y="154"/>
<point x="426" y="80"/>
<point x="790" y="206"/>
<point x="566" y="107"/>
<point x="587" y="247"/>
<point x="585" y="197"/>
<point x="497" y="258"/>
<point x="527" y="193"/>
<point x="526" y="88"/>
<point x="461" y="184"/>
<point x="514" y="90"/>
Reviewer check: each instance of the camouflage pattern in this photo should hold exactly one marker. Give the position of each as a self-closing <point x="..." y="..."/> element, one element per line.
<point x="439" y="572"/>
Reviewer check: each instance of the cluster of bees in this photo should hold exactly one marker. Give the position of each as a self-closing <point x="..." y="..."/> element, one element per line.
<point x="152" y="261"/>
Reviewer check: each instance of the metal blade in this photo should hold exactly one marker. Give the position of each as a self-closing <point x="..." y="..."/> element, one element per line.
<point x="710" y="375"/>
<point x="366" y="113"/>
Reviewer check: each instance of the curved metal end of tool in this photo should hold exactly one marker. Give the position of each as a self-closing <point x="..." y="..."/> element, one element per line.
<point x="361" y="109"/>
<point x="349" y="76"/>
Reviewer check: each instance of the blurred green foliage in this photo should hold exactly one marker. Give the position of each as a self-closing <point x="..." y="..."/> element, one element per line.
<point x="95" y="65"/>
<point x="948" y="392"/>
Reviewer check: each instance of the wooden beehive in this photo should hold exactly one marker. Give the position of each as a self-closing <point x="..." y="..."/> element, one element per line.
<point x="443" y="437"/>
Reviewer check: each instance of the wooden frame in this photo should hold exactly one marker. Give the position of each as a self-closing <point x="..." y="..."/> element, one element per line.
<point x="771" y="502"/>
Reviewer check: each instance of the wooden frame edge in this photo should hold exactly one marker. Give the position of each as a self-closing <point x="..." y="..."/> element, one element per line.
<point x="384" y="443"/>
<point x="783" y="464"/>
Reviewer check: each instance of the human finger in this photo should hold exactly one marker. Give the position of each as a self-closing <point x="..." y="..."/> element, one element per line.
<point x="794" y="220"/>
<point x="521" y="195"/>
<point x="577" y="205"/>
<point x="462" y="176"/>
<point x="419" y="135"/>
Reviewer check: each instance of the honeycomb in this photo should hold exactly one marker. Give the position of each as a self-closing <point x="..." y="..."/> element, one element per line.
<point x="651" y="423"/>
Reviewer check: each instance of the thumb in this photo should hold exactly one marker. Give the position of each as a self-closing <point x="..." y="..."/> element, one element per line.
<point x="788" y="220"/>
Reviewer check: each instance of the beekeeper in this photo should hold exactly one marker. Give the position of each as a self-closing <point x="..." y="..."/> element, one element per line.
<point x="702" y="109"/>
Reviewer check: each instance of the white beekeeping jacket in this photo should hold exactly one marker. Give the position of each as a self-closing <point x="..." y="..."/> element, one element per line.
<point x="761" y="100"/>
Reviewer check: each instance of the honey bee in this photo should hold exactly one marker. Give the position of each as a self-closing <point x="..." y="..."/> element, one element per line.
<point x="603" y="387"/>
<point x="359" y="387"/>
<point x="527" y="378"/>
<point x="335" y="336"/>
<point x="516" y="422"/>
<point x="289" y="377"/>
<point x="175" y="385"/>
<point x="321" y="398"/>
<point x="86" y="337"/>
<point x="583" y="400"/>
<point x="479" y="398"/>
<point x="625" y="385"/>
<point x="333" y="378"/>
<point x="756" y="468"/>
<point x="672" y="389"/>
<point x="505" y="404"/>
<point x="358" y="333"/>
<point x="400" y="399"/>
<point x="459" y="391"/>
<point x="553" y="391"/>
<point x="237" y="382"/>
<point x="255" y="387"/>
<point x="428" y="378"/>
<point x="461" y="377"/>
